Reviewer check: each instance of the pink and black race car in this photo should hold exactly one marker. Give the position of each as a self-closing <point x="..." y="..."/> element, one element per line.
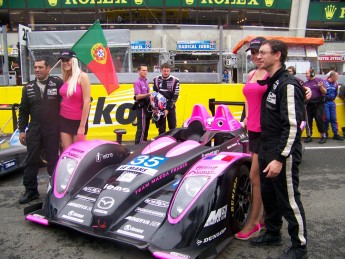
<point x="183" y="194"/>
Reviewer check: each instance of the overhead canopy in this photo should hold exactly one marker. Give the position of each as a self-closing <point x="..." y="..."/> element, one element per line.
<point x="288" y="40"/>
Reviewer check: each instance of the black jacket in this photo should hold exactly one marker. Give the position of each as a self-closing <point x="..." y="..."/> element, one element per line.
<point x="43" y="112"/>
<point x="282" y="113"/>
<point x="169" y="88"/>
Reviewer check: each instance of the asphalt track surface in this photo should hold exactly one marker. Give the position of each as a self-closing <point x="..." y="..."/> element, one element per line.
<point x="322" y="184"/>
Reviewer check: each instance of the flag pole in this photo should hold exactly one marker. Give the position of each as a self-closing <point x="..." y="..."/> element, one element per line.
<point x="57" y="63"/>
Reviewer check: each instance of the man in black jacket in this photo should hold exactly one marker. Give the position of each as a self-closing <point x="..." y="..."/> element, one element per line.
<point x="41" y="103"/>
<point x="169" y="87"/>
<point x="281" y="152"/>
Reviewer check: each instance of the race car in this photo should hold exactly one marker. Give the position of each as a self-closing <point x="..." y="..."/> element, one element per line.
<point x="12" y="153"/>
<point x="183" y="194"/>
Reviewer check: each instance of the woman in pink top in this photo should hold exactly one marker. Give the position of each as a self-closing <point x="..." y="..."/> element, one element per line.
<point x="253" y="93"/>
<point x="75" y="104"/>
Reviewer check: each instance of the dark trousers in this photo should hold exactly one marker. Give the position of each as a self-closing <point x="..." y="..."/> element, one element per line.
<point x="281" y="197"/>
<point x="143" y="125"/>
<point x="161" y="123"/>
<point x="316" y="111"/>
<point x="36" y="142"/>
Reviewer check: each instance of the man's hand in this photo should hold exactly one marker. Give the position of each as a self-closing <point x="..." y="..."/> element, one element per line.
<point x="307" y="93"/>
<point x="22" y="138"/>
<point x="166" y="113"/>
<point x="273" y="169"/>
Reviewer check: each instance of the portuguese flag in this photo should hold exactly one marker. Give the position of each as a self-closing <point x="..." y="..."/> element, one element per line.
<point x="93" y="51"/>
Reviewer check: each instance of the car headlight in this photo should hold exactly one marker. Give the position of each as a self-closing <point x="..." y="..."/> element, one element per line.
<point x="64" y="172"/>
<point x="188" y="190"/>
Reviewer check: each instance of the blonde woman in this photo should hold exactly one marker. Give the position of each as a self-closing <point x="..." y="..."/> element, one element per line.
<point x="75" y="104"/>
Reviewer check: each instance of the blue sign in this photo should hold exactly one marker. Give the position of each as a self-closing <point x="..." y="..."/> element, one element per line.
<point x="140" y="44"/>
<point x="196" y="45"/>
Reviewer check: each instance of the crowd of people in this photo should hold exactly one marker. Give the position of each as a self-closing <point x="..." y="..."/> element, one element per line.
<point x="277" y="104"/>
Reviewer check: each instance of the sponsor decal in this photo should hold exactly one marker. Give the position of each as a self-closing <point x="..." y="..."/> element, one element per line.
<point x="101" y="211"/>
<point x="233" y="195"/>
<point x="130" y="234"/>
<point x="214" y="152"/>
<point x="157" y="203"/>
<point x="106" y="203"/>
<point x="127" y="177"/>
<point x="71" y="218"/>
<point x="143" y="221"/>
<point x="178" y="168"/>
<point x="210" y="238"/>
<point x="156" y="179"/>
<point x="143" y="187"/>
<point x="9" y="164"/>
<point x="100" y="157"/>
<point x="150" y="212"/>
<point x="138" y="169"/>
<point x="179" y="255"/>
<point x="92" y="190"/>
<point x="133" y="229"/>
<point x="233" y="145"/>
<point x="79" y="206"/>
<point x="206" y="167"/>
<point x="85" y="198"/>
<point x="271" y="98"/>
<point x="116" y="188"/>
<point x="216" y="216"/>
<point x="77" y="150"/>
<point x="52" y="91"/>
<point x="72" y="213"/>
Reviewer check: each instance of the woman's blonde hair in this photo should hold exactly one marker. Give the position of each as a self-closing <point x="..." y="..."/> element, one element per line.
<point x="72" y="75"/>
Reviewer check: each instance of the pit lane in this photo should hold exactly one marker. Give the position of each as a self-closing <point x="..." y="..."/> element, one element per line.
<point x="322" y="185"/>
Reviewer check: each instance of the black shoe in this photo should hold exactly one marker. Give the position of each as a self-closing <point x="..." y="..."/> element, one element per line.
<point x="294" y="253"/>
<point x="338" y="137"/>
<point x="308" y="140"/>
<point x="267" y="239"/>
<point x="28" y="196"/>
<point x="322" y="140"/>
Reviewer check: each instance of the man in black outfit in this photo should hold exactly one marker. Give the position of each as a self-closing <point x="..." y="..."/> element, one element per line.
<point x="281" y="152"/>
<point x="41" y="103"/>
<point x="169" y="87"/>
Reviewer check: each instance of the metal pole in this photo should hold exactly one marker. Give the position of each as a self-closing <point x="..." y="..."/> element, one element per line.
<point x="220" y="62"/>
<point x="5" y="49"/>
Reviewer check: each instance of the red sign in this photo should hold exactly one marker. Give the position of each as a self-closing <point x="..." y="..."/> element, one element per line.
<point x="332" y="58"/>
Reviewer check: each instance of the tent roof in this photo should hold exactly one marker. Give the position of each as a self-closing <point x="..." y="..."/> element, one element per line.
<point x="287" y="40"/>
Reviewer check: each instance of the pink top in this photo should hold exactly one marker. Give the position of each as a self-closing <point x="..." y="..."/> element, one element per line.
<point x="253" y="93"/>
<point x="71" y="107"/>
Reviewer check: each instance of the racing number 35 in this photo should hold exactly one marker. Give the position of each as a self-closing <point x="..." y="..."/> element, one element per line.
<point x="148" y="161"/>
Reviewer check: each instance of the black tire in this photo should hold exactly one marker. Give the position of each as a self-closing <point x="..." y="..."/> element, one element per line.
<point x="240" y="198"/>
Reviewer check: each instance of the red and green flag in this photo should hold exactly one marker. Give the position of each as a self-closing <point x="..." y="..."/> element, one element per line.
<point x="92" y="49"/>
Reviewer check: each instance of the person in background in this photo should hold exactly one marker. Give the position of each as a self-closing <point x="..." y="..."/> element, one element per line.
<point x="292" y="71"/>
<point x="41" y="103"/>
<point x="330" y="106"/>
<point x="281" y="152"/>
<point x="332" y="68"/>
<point x="315" y="105"/>
<point x="341" y="95"/>
<point x="75" y="104"/>
<point x="253" y="93"/>
<point x="169" y="87"/>
<point x="225" y="78"/>
<point x="142" y="100"/>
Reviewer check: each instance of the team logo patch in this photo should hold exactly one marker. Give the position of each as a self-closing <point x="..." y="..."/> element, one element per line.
<point x="98" y="53"/>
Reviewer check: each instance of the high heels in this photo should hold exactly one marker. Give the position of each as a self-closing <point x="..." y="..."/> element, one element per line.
<point x="254" y="232"/>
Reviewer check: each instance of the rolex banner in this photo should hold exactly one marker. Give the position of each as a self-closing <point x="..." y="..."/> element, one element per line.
<point x="92" y="50"/>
